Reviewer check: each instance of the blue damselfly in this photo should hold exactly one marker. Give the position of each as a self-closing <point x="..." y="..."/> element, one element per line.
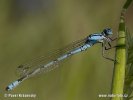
<point x="45" y="64"/>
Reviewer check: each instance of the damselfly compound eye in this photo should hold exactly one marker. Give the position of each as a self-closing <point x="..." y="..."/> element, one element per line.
<point x="107" y="31"/>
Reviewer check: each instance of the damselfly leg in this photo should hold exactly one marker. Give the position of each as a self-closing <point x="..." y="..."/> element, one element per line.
<point x="110" y="46"/>
<point x="104" y="47"/>
<point x="103" y="53"/>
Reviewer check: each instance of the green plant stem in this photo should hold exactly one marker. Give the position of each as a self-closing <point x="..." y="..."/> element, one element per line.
<point x="120" y="64"/>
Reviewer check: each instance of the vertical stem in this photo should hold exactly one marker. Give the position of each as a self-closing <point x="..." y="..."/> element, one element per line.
<point x="119" y="66"/>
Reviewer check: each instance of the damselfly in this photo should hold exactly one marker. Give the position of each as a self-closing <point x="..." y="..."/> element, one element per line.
<point x="45" y="64"/>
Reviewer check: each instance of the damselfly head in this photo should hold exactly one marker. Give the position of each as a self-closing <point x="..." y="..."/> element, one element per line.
<point x="107" y="31"/>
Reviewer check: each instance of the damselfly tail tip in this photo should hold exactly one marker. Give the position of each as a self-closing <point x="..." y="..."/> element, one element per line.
<point x="12" y="85"/>
<point x="7" y="88"/>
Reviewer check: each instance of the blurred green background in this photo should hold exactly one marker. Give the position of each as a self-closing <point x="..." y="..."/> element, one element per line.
<point x="31" y="28"/>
